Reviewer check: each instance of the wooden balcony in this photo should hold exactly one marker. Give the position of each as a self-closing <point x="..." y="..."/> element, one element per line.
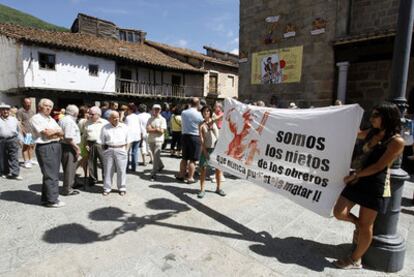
<point x="131" y="87"/>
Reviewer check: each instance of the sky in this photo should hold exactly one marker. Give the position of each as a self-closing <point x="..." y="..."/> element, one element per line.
<point x="184" y="23"/>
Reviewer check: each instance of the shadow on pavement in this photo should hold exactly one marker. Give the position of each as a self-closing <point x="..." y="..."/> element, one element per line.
<point x="35" y="187"/>
<point x="407" y="202"/>
<point x="79" y="234"/>
<point x="21" y="196"/>
<point x="163" y="177"/>
<point x="405" y="211"/>
<point x="291" y="250"/>
<point x="71" y="233"/>
<point x="306" y="253"/>
<point x="87" y="188"/>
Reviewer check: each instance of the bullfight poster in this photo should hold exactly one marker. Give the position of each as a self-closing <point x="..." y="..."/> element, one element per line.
<point x="303" y="154"/>
<point x="277" y="66"/>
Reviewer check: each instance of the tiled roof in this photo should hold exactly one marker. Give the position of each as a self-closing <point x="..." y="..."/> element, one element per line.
<point x="189" y="53"/>
<point x="95" y="46"/>
<point x="365" y="36"/>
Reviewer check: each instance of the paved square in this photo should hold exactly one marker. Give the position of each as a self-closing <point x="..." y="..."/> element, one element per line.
<point x="162" y="229"/>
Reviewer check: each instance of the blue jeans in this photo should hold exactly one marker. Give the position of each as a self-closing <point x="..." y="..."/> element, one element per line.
<point x="133" y="155"/>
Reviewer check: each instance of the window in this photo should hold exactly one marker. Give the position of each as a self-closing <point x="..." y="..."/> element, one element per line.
<point x="47" y="61"/>
<point x="231" y="81"/>
<point x="122" y="35"/>
<point x="213" y="83"/>
<point x="93" y="69"/>
<point x="126" y="74"/>
<point x="126" y="36"/>
<point x="130" y="37"/>
<point x="175" y="80"/>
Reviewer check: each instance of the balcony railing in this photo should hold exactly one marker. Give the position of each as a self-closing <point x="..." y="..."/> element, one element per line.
<point x="131" y="87"/>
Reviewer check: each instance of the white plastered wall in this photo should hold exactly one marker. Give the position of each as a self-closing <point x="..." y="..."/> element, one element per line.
<point x="71" y="71"/>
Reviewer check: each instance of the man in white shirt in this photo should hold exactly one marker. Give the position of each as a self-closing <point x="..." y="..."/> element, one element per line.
<point x="46" y="134"/>
<point x="9" y="144"/>
<point x="156" y="127"/>
<point x="143" y="119"/>
<point x="115" y="139"/>
<point x="70" y="148"/>
<point x="135" y="132"/>
<point x="92" y="136"/>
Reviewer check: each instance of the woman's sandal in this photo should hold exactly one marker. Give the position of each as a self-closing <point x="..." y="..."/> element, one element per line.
<point x="348" y="263"/>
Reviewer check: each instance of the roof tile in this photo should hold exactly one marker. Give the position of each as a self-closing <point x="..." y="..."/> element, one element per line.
<point x="99" y="46"/>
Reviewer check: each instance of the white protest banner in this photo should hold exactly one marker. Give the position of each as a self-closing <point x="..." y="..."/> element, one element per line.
<point x="303" y="154"/>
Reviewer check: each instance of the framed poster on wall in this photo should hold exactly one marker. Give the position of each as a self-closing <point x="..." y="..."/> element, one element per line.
<point x="277" y="66"/>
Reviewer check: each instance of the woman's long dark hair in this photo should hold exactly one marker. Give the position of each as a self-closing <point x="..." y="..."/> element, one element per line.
<point x="390" y="118"/>
<point x="207" y="108"/>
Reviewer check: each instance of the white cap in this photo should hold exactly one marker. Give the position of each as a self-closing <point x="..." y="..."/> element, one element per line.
<point x="4" y="106"/>
<point x="156" y="106"/>
<point x="292" y="105"/>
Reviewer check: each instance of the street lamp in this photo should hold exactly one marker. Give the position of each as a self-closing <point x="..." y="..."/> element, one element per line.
<point x="387" y="250"/>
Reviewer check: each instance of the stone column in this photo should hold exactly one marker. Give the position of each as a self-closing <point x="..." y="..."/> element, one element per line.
<point x="342" y="80"/>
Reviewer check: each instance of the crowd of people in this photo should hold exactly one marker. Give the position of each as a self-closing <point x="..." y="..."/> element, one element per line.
<point x="88" y="136"/>
<point x="107" y="137"/>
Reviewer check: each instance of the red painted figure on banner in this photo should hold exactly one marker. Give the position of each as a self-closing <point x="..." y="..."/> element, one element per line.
<point x="241" y="145"/>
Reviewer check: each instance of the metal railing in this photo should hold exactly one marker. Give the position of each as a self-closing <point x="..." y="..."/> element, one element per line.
<point x="132" y="87"/>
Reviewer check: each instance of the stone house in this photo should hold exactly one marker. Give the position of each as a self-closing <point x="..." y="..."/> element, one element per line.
<point x="349" y="40"/>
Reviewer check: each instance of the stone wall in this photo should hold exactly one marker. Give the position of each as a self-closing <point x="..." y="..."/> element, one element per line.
<point x="369" y="83"/>
<point x="373" y="15"/>
<point x="318" y="66"/>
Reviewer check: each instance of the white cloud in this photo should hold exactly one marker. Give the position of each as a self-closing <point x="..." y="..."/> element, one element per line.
<point x="218" y="23"/>
<point x="182" y="43"/>
<point x="235" y="51"/>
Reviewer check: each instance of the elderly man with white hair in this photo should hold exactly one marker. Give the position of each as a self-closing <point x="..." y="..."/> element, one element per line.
<point x="9" y="144"/>
<point x="92" y="136"/>
<point x="46" y="134"/>
<point x="70" y="149"/>
<point x="115" y="139"/>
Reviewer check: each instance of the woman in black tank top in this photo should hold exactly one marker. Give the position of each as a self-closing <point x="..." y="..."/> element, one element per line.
<point x="369" y="185"/>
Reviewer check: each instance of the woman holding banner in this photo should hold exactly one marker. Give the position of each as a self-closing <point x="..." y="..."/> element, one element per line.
<point x="208" y="137"/>
<point x="369" y="185"/>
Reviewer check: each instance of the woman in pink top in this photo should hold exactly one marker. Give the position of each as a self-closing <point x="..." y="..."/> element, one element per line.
<point x="218" y="114"/>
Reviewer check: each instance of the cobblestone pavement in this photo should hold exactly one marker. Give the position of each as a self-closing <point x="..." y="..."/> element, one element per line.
<point x="162" y="229"/>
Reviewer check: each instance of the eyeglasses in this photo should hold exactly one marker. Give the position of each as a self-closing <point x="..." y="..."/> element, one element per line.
<point x="92" y="114"/>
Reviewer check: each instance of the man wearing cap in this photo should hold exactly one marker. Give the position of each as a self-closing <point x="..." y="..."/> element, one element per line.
<point x="24" y="115"/>
<point x="156" y="127"/>
<point x="46" y="134"/>
<point x="9" y="144"/>
<point x="70" y="148"/>
<point x="92" y="135"/>
<point x="115" y="139"/>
